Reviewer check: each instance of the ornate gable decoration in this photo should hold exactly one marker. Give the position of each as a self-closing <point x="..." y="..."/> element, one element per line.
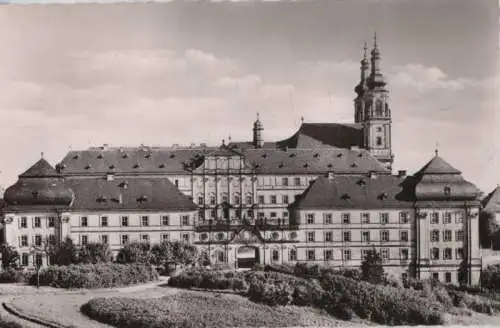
<point x="246" y="236"/>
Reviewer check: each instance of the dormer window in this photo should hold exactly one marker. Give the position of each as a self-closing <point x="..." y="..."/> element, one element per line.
<point x="264" y="155"/>
<point x="447" y="191"/>
<point x="360" y="155"/>
<point x="306" y="165"/>
<point x="316" y="155"/>
<point x="148" y="155"/>
<point x="88" y="166"/>
<point x="101" y="199"/>
<point x="172" y="155"/>
<point x="76" y="156"/>
<point x="125" y="155"/>
<point x="99" y="156"/>
<point x="345" y="197"/>
<point x="142" y="199"/>
<point x="124" y="185"/>
<point x="330" y="165"/>
<point x="281" y="165"/>
<point x="292" y="155"/>
<point x="35" y="194"/>
<point x="340" y="155"/>
<point x="361" y="182"/>
<point x="162" y="166"/>
<point x="136" y="166"/>
<point x="383" y="196"/>
<point x="354" y="165"/>
<point x="111" y="167"/>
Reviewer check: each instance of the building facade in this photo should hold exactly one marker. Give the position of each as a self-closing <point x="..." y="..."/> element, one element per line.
<point x="260" y="201"/>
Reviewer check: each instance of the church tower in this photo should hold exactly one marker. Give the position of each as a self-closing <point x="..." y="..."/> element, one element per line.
<point x="258" y="129"/>
<point x="372" y="108"/>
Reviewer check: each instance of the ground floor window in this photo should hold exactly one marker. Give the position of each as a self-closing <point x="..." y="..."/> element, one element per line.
<point x="24" y="259"/>
<point x="293" y="255"/>
<point x="38" y="260"/>
<point x="435" y="276"/>
<point x="447" y="277"/>
<point x="311" y="255"/>
<point x="328" y="255"/>
<point x="220" y="256"/>
<point x="275" y="255"/>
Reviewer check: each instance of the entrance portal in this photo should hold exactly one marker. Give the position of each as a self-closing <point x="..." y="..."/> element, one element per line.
<point x="247" y="257"/>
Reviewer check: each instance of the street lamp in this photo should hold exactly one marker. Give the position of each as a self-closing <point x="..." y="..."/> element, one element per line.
<point x="34" y="250"/>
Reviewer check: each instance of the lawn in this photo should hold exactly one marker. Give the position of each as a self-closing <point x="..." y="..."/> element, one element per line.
<point x="204" y="309"/>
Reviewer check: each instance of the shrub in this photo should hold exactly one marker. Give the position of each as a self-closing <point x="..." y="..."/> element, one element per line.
<point x="95" y="275"/>
<point x="209" y="279"/>
<point x="95" y="253"/>
<point x="15" y="276"/>
<point x="372" y="269"/>
<point x="10" y="257"/>
<point x="4" y="323"/>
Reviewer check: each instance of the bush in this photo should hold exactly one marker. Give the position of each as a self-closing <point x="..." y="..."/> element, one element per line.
<point x="209" y="279"/>
<point x="95" y="275"/>
<point x="4" y="323"/>
<point x="15" y="276"/>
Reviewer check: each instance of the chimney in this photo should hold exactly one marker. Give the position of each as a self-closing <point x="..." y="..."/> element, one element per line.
<point x="401" y="173"/>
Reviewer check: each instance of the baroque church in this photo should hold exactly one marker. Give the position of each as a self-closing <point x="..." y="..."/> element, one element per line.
<point x="326" y="194"/>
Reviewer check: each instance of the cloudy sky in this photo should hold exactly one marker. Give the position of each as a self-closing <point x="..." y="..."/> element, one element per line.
<point x="72" y="76"/>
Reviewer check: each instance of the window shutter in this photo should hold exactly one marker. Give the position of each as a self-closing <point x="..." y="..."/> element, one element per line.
<point x="19" y="222"/>
<point x="19" y="240"/>
<point x="32" y="240"/>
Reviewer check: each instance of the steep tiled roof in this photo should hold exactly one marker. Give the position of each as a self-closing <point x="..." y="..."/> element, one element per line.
<point x="312" y="161"/>
<point x="355" y="192"/>
<point x="243" y="145"/>
<point x="491" y="202"/>
<point x="132" y="194"/>
<point x="325" y="134"/>
<point x="437" y="165"/>
<point x="40" y="169"/>
<point x="438" y="180"/>
<point x="130" y="160"/>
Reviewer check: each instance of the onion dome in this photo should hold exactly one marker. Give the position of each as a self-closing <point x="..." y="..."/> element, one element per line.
<point x="362" y="86"/>
<point x="257" y="125"/>
<point x="39" y="185"/>
<point x="376" y="78"/>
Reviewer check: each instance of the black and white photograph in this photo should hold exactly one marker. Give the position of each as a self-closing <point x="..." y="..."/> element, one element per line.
<point x="249" y="163"/>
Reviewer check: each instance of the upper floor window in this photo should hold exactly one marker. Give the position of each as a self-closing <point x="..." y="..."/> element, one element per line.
<point x="212" y="200"/>
<point x="145" y="221"/>
<point x="165" y="220"/>
<point x="379" y="108"/>
<point x="237" y="199"/>
<point x="165" y="237"/>
<point x="459" y="253"/>
<point x="24" y="240"/>
<point x="124" y="239"/>
<point x="365" y="236"/>
<point x="52" y="239"/>
<point x="434" y="218"/>
<point x="434" y="235"/>
<point x="447" y="235"/>
<point x="249" y="199"/>
<point x="329" y="236"/>
<point x="346" y="255"/>
<point x="447" y="218"/>
<point x="403" y="253"/>
<point x="297" y="181"/>
<point x="459" y="235"/>
<point x="104" y="221"/>
<point x="403" y="235"/>
<point x="384" y="218"/>
<point x="328" y="255"/>
<point x="185" y="220"/>
<point x="185" y="237"/>
<point x="434" y="253"/>
<point x="275" y="256"/>
<point x="379" y="141"/>
<point x="310" y="236"/>
<point x="311" y="255"/>
<point x="37" y="222"/>
<point x="104" y="239"/>
<point x="285" y="199"/>
<point x="284" y="181"/>
<point x="273" y="199"/>
<point x="24" y="222"/>
<point x="459" y="217"/>
<point x="403" y="217"/>
<point x="365" y="217"/>
<point x="84" y="221"/>
<point x="124" y="221"/>
<point x="201" y="200"/>
<point x="384" y="254"/>
<point x="447" y="191"/>
<point x="52" y="222"/>
<point x="310" y="218"/>
<point x="347" y="236"/>
<point x="384" y="235"/>
<point x="292" y="255"/>
<point x="261" y="199"/>
<point x="346" y="218"/>
<point x="447" y="253"/>
<point x="328" y="218"/>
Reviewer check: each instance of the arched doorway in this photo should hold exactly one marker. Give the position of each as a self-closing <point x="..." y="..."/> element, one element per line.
<point x="247" y="257"/>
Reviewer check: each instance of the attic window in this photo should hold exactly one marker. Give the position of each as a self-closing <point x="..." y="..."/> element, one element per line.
<point x="101" y="199"/>
<point x="360" y="155"/>
<point x="281" y="165"/>
<point x="316" y="155"/>
<point x="361" y="182"/>
<point x="354" y="165"/>
<point x="124" y="155"/>
<point x="124" y="185"/>
<point x="264" y="155"/>
<point x="306" y="165"/>
<point x="162" y="166"/>
<point x="172" y="155"/>
<point x="76" y="156"/>
<point x="447" y="191"/>
<point x="257" y="165"/>
<point x="148" y="155"/>
<point x="88" y="166"/>
<point x="136" y="166"/>
<point x="340" y="155"/>
<point x="383" y="195"/>
<point x="111" y="167"/>
<point x="99" y="156"/>
<point x="345" y="197"/>
<point x="35" y="194"/>
<point x="292" y="155"/>
<point x="142" y="199"/>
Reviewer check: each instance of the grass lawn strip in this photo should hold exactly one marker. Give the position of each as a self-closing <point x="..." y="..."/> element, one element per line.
<point x="203" y="309"/>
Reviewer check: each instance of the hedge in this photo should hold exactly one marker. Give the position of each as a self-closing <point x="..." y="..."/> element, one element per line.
<point x="209" y="279"/>
<point x="92" y="276"/>
<point x="15" y="276"/>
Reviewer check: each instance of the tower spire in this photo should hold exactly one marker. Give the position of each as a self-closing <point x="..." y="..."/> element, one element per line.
<point x="376" y="78"/>
<point x="362" y="87"/>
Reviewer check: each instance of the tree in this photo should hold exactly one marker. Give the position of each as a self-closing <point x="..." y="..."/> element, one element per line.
<point x="95" y="253"/>
<point x="372" y="269"/>
<point x="10" y="257"/>
<point x="177" y="253"/>
<point x="64" y="254"/>
<point x="135" y="253"/>
<point x="488" y="229"/>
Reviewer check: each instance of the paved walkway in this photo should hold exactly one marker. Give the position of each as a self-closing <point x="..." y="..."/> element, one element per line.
<point x="63" y="306"/>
